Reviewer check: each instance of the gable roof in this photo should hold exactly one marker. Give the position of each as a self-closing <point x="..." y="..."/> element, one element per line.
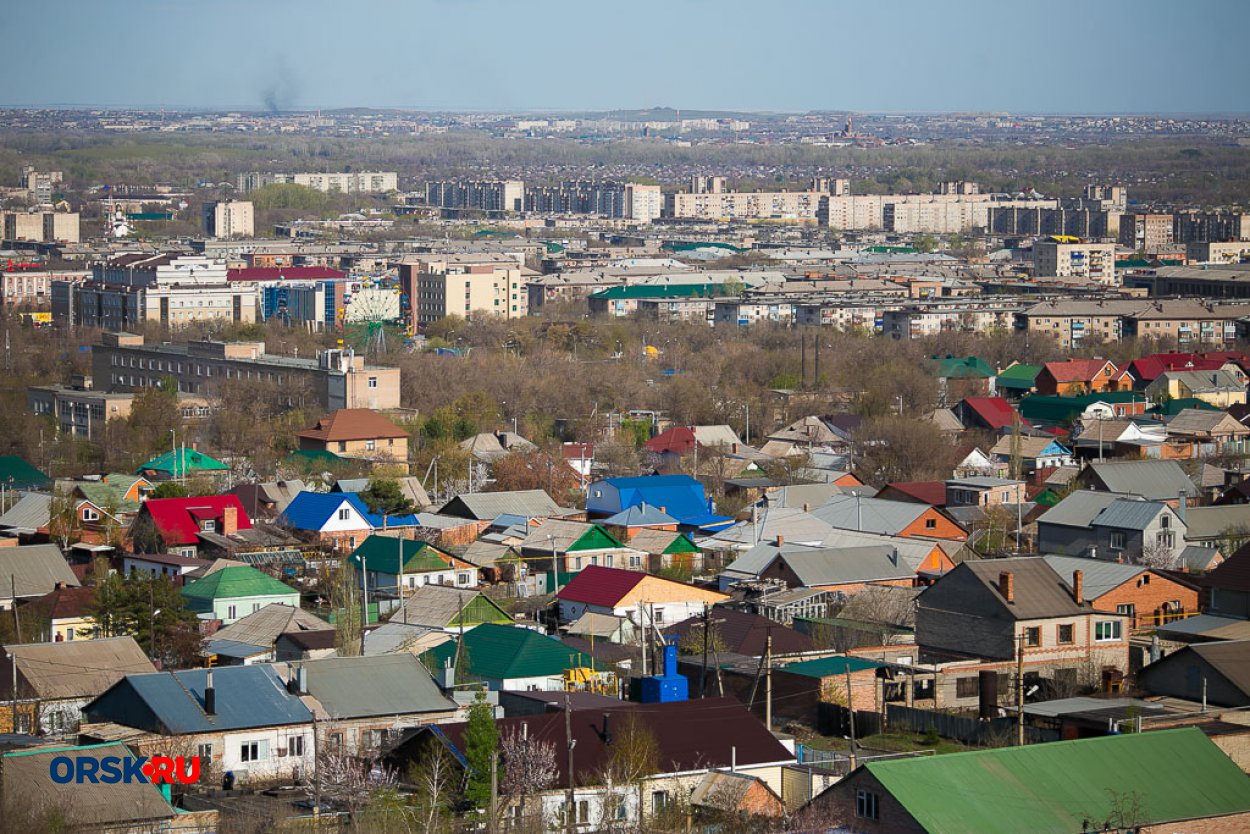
<point x="177" y="519"/>
<point x="995" y="412"/>
<point x="681" y="496"/>
<point x="601" y="586"/>
<point x="186" y="460"/>
<point x="1202" y="381"/>
<point x="500" y="652"/>
<point x="1197" y="421"/>
<point x="381" y="555"/>
<point x="16" y="473"/>
<point x="872" y="515"/>
<point x="746" y="634"/>
<point x="264" y="626"/>
<point x="441" y="606"/>
<point x="1018" y="377"/>
<point x="1161" y="480"/>
<point x="568" y="536"/>
<point x="1030" y="447"/>
<point x="1098" y="576"/>
<point x="963" y="367"/>
<point x="172" y="703"/>
<point x="1068" y="786"/>
<point x="923" y="492"/>
<point x="30" y="514"/>
<point x="352" y="424"/>
<point x="1233" y="573"/>
<point x="813" y="567"/>
<point x="484" y="506"/>
<point x="398" y="684"/>
<point x="74" y="669"/>
<point x="1080" y="370"/>
<point x="1080" y="508"/>
<point x="235" y="582"/>
<point x="409" y="486"/>
<point x="1039" y="592"/>
<point x="33" y="570"/>
<point x="641" y="515"/>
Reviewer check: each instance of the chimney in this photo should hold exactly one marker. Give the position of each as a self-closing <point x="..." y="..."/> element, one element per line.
<point x="1007" y="586"/>
<point x="229" y="520"/>
<point x="735" y="448"/>
<point x="606" y="735"/>
<point x="210" y="695"/>
<point x="1078" y="587"/>
<point x="1181" y="505"/>
<point x="780" y="540"/>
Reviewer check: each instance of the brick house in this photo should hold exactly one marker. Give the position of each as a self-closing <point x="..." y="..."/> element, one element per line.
<point x="358" y="433"/>
<point x="1148" y="597"/>
<point x="1082" y="376"/>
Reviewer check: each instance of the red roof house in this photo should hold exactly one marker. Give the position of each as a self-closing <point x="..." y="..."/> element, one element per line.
<point x="283" y="273"/>
<point x="179" y="521"/>
<point x="916" y="492"/>
<point x="1081" y="376"/>
<point x="993" y="413"/>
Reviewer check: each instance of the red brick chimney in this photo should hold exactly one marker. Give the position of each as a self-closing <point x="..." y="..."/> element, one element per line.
<point x="1007" y="585"/>
<point x="229" y="520"/>
<point x="1078" y="587"/>
<point x="780" y="540"/>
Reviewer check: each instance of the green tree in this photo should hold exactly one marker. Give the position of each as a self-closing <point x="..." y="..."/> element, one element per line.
<point x="385" y="497"/>
<point x="481" y="744"/>
<point x="169" y="489"/>
<point x="153" y="612"/>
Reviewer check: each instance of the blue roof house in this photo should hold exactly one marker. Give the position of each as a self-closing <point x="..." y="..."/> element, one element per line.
<point x="339" y="519"/>
<point x="679" y="496"/>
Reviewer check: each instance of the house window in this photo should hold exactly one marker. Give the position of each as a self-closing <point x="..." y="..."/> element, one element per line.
<point x="370" y="445"/>
<point x="866" y="805"/>
<point x="659" y="801"/>
<point x="463" y="578"/>
<point x="966" y="687"/>
<point x="345" y="514"/>
<point x="23" y="723"/>
<point x="250" y="751"/>
<point x="1127" y="609"/>
<point x="1117" y="540"/>
<point x="372" y="739"/>
<point x="1033" y="636"/>
<point x="657" y="614"/>
<point x="204" y="752"/>
<point x="635" y="561"/>
<point x="1065" y="634"/>
<point x="1107" y="631"/>
<point x="930" y="524"/>
<point x="373" y="382"/>
<point x="583" y="811"/>
<point x="89" y="514"/>
<point x="230" y="612"/>
<point x="69" y="634"/>
<point x="1165" y="521"/>
<point x="209" y="526"/>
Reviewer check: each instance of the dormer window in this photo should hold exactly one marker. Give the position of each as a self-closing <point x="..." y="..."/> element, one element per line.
<point x="209" y="525"/>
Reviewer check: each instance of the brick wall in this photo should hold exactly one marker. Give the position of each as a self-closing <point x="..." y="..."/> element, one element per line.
<point x="1148" y="598"/>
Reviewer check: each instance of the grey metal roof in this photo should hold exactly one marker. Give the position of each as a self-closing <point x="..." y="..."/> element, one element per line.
<point x="1129" y="514"/>
<point x="33" y="571"/>
<point x="872" y="515"/>
<point x="359" y="687"/>
<point x="753" y="562"/>
<point x="1067" y="706"/>
<point x="1080" y="508"/>
<point x="263" y="627"/>
<point x="790" y="523"/>
<point x="30" y="513"/>
<point x="799" y="496"/>
<point x="533" y="503"/>
<point x="234" y="649"/>
<point x="172" y="703"/>
<point x="1198" y="558"/>
<point x="912" y="551"/>
<point x="1097" y="575"/>
<point x="1156" y="479"/>
<point x="1210" y="626"/>
<point x="397" y="637"/>
<point x="435" y="606"/>
<point x="838" y="566"/>
<point x="1210" y="522"/>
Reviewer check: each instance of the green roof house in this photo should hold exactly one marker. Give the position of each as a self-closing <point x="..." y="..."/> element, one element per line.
<point x="1163" y="778"/>
<point x="16" y="473"/>
<point x="232" y="593"/>
<point x="962" y="367"/>
<point x="179" y="464"/>
<point x="507" y="657"/>
<point x="378" y="557"/>
<point x="1017" y="381"/>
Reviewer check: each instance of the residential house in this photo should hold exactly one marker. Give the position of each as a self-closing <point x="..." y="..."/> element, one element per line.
<point x="338" y="520"/>
<point x="409" y="487"/>
<point x="107" y="506"/>
<point x="1056" y="788"/>
<point x="487" y="506"/>
<point x="806" y="496"/>
<point x="679" y="441"/>
<point x="32" y="571"/>
<point x="1148" y="597"/>
<point x="162" y="564"/>
<point x="570" y="546"/>
<point x="915" y="492"/>
<point x="234" y="592"/>
<point x="992" y="413"/>
<point x="1081" y="376"/>
<point x="267" y="500"/>
<point x="1219" y="388"/>
<point x="1213" y="673"/>
<point x="69" y="613"/>
<point x="489" y="447"/>
<point x="1038" y="456"/>
<point x="1017" y="380"/>
<point x="962" y="376"/>
<point x="378" y="563"/>
<point x="984" y="492"/>
<point x="993" y="609"/>
<point x="54" y="681"/>
<point x="786" y="524"/>
<point x="264" y="627"/>
<point x="1206" y="433"/>
<point x="580" y="457"/>
<point x="16" y="473"/>
<point x="174" y="525"/>
<point x="507" y="657"/>
<point x="360" y="433"/>
<point x="832" y="434"/>
<point x="743" y="633"/>
<point x="1224" y="527"/>
<point x="450" y="609"/>
<point x="1155" y="480"/>
<point x="1111" y="526"/>
<point x="891" y="518"/>
<point x="680" y="496"/>
<point x="693" y="739"/>
<point x="360" y="720"/>
<point x="1228" y="586"/>
<point x="1060" y="411"/>
<point x="643" y="598"/>
<point x="666" y="549"/>
<point x="181" y="464"/>
<point x="27" y="519"/>
<point x="842" y="571"/>
<point x="236" y="719"/>
<point x="132" y="805"/>
<point x="976" y="462"/>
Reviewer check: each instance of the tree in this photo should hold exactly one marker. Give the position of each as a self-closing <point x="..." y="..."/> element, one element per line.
<point x="148" y="609"/>
<point x="536" y="470"/>
<point x="64" y="523"/>
<point x="169" y="489"/>
<point x="347" y="780"/>
<point x="385" y="497"/>
<point x="481" y="745"/>
<point x="343" y="586"/>
<point x="529" y="766"/>
<point x="436" y="778"/>
<point x="634" y="755"/>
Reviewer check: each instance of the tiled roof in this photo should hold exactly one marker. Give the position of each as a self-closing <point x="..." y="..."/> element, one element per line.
<point x="601" y="586"/>
<point x="352" y="424"/>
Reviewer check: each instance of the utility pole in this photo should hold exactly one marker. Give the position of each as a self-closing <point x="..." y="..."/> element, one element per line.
<point x="364" y="597"/>
<point x="816" y="363"/>
<point x="570" y="818"/>
<point x="492" y="824"/>
<point x="850" y="711"/>
<point x="803" y="360"/>
<point x="1020" y="689"/>
<point x="768" y="682"/>
<point x="316" y="771"/>
<point x="703" y="673"/>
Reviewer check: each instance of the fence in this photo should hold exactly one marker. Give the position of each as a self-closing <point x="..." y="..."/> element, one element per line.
<point x="839" y="761"/>
<point x="832" y="720"/>
<point x="967" y="730"/>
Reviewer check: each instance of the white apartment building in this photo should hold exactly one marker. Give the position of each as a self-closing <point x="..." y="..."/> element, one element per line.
<point x="643" y="202"/>
<point x="229" y="219"/>
<point x="947" y="213"/>
<point x="367" y="182"/>
<point x="713" y="205"/>
<point x="1063" y="258"/>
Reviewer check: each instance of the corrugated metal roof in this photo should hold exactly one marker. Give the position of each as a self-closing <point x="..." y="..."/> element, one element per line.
<point x="1098" y="576"/>
<point x="33" y="570"/>
<point x="76" y="668"/>
<point x="440" y="606"/>
<point x="1129" y="514"/>
<point x="1068" y="786"/>
<point x="262" y="628"/>
<point x="499" y="652"/>
<point x="29" y="514"/>
<point x="233" y="582"/>
<point x="825" y="667"/>
<point x="1211" y="522"/>
<point x="973" y="588"/>
<point x="1080" y="508"/>
<point x="1161" y="480"/>
<point x="397" y="684"/>
<point x="872" y="515"/>
<point x="790" y="523"/>
<point x="532" y="503"/>
<point x="846" y="565"/>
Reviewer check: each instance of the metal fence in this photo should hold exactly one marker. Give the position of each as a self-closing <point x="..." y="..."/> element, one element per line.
<point x="994" y="732"/>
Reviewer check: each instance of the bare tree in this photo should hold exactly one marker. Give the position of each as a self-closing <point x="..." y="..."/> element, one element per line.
<point x="437" y="778"/>
<point x="529" y="766"/>
<point x="634" y="755"/>
<point x="347" y="780"/>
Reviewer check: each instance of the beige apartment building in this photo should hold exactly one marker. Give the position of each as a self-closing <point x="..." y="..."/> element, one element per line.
<point x="464" y="286"/>
<point x="1071" y="322"/>
<point x="334" y="379"/>
<point x="744" y="205"/>
<point x="1063" y="258"/>
<point x="367" y="182"/>
<point x="81" y="411"/>
<point x="952" y="212"/>
<point x="229" y="219"/>
<point x="41" y="226"/>
<point x="643" y="202"/>
<point x="1230" y="252"/>
<point x="1190" y="322"/>
<point x="1146" y="232"/>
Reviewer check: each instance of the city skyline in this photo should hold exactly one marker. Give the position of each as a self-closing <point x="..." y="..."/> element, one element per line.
<point x="909" y="57"/>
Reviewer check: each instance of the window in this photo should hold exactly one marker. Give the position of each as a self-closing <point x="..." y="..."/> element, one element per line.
<point x="249" y="751"/>
<point x="1033" y="636"/>
<point x="1127" y="609"/>
<point x="373" y="382"/>
<point x="966" y="687"/>
<point x="23" y="723"/>
<point x="1165" y="521"/>
<point x="583" y="811"/>
<point x="866" y="805"/>
<point x="1065" y="634"/>
<point x="373" y="739"/>
<point x="930" y="524"/>
<point x="230" y="612"/>
<point x="659" y="801"/>
<point x="635" y="561"/>
<point x="370" y="445"/>
<point x="1107" y="630"/>
<point x="345" y="514"/>
<point x="69" y="634"/>
<point x="209" y="525"/>
<point x="89" y="514"/>
<point x="1117" y="540"/>
<point x="463" y="578"/>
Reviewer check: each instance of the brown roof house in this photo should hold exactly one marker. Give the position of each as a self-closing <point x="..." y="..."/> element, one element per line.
<point x="358" y="433"/>
<point x="989" y="610"/>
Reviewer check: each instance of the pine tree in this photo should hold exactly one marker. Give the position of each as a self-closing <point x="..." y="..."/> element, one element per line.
<point x="481" y="744"/>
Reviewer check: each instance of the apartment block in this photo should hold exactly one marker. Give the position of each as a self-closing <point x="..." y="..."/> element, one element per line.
<point x="643" y="202"/>
<point x="952" y="212"/>
<point x="33" y="289"/>
<point x="1060" y="258"/>
<point x="599" y="197"/>
<point x="747" y="205"/>
<point x="1214" y="226"/>
<point x="1082" y="222"/>
<point x="1146" y="232"/>
<point x="334" y="379"/>
<point x="1206" y="252"/>
<point x="1190" y="322"/>
<point x="359" y="182"/>
<point x="40" y="184"/>
<point x="229" y="219"/>
<point x="43" y="227"/>
<point x="438" y="287"/>
<point x="491" y="196"/>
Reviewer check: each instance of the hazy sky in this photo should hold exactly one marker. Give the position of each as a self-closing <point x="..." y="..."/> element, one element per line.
<point x="1068" y="56"/>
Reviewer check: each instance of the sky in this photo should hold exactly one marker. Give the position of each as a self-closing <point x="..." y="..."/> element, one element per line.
<point x="1057" y="56"/>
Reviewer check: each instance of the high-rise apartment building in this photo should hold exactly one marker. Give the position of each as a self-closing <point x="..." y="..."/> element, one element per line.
<point x="462" y="285"/>
<point x="42" y="226"/>
<point x="1143" y="232"/>
<point x="229" y="219"/>
<point x="1070" y="258"/>
<point x="40" y="183"/>
<point x="356" y="182"/>
<point x="491" y="196"/>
